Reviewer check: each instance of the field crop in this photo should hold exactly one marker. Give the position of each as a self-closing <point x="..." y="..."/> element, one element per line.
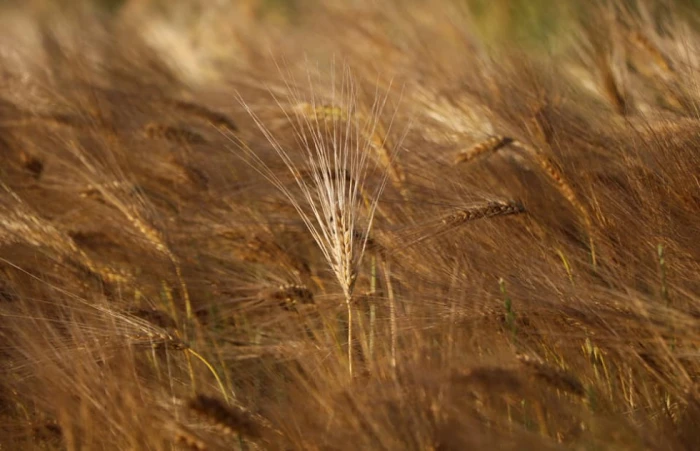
<point x="403" y="225"/>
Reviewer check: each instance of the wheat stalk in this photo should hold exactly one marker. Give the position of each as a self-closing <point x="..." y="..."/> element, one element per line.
<point x="112" y="193"/>
<point x="495" y="143"/>
<point x="331" y="203"/>
<point x="22" y="224"/>
<point x="556" y="176"/>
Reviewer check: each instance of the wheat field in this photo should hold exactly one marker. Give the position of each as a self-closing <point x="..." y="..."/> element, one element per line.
<point x="349" y="225"/>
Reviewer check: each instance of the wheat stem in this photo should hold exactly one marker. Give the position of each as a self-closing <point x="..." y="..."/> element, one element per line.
<point x="392" y="312"/>
<point x="211" y="370"/>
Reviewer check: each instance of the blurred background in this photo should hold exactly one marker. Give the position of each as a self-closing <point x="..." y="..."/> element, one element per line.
<point x="535" y="23"/>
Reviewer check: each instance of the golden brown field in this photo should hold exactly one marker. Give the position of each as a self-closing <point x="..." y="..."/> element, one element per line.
<point x="348" y="225"/>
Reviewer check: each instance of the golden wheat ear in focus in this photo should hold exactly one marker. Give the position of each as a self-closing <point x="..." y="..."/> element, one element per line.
<point x="332" y="166"/>
<point x="391" y="225"/>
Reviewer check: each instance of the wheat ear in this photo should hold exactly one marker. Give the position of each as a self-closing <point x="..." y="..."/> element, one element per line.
<point x="460" y="216"/>
<point x="376" y="136"/>
<point x="556" y="176"/>
<point x="489" y="210"/>
<point x="331" y="203"/>
<point x="226" y="418"/>
<point x="488" y="146"/>
<point x="651" y="49"/>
